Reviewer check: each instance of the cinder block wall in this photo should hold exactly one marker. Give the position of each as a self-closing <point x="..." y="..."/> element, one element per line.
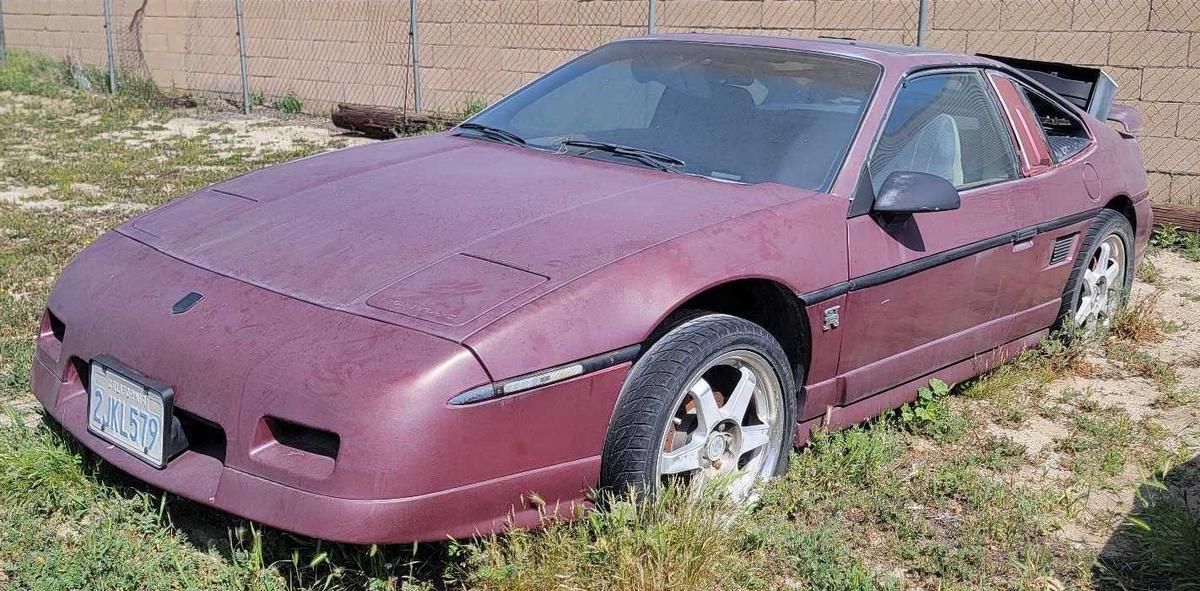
<point x="329" y="51"/>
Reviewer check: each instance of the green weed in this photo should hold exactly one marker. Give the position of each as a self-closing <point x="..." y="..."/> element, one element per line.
<point x="1172" y="237"/>
<point x="928" y="415"/>
<point x="289" y="103"/>
<point x="472" y="107"/>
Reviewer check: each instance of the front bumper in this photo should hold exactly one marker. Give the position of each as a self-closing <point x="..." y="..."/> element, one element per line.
<point x="478" y="508"/>
<point x="408" y="466"/>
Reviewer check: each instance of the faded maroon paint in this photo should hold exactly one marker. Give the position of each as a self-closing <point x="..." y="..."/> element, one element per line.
<point x="1128" y="117"/>
<point x="358" y="291"/>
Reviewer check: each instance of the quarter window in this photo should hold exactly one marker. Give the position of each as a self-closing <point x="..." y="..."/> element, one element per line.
<point x="1065" y="135"/>
<point x="947" y="125"/>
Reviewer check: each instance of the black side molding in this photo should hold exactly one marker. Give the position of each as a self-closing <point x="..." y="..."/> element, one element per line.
<point x="913" y="267"/>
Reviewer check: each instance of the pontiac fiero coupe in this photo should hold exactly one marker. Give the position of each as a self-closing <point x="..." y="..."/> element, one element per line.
<point x="669" y="259"/>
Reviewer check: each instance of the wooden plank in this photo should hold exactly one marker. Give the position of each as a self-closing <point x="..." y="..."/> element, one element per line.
<point x="1184" y="217"/>
<point x="386" y="123"/>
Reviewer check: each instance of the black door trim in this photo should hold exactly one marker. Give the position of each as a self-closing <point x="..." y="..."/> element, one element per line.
<point x="941" y="258"/>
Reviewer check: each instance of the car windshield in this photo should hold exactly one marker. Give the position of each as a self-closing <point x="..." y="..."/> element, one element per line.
<point x="734" y="113"/>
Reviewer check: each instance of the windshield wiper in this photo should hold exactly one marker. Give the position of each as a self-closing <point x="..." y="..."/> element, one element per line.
<point x="650" y="158"/>
<point x="495" y="133"/>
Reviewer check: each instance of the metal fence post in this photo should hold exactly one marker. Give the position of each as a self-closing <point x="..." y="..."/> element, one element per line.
<point x="3" y="45"/>
<point x="108" y="35"/>
<point x="922" y="22"/>
<point x="415" y="43"/>
<point x="241" y="35"/>
<point x="650" y="17"/>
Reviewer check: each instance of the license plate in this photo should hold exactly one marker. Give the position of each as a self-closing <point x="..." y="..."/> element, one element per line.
<point x="129" y="411"/>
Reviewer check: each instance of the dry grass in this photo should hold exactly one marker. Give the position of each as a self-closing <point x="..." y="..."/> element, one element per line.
<point x="1140" y="321"/>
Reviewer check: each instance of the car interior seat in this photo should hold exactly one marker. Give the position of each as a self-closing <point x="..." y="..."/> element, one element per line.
<point x="936" y="149"/>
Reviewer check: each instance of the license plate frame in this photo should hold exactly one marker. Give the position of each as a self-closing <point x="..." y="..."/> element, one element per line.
<point x="140" y="401"/>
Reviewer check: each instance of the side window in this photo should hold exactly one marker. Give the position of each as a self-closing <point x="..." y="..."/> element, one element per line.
<point x="947" y="125"/>
<point x="1064" y="133"/>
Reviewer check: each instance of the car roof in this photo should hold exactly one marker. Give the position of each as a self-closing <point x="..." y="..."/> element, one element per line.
<point x="890" y="56"/>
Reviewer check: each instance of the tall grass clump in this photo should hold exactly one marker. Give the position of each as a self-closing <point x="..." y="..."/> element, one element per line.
<point x="27" y="72"/>
<point x="1140" y="321"/>
<point x="676" y="540"/>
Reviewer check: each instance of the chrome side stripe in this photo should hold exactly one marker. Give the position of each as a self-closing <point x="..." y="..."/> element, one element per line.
<point x="546" y="377"/>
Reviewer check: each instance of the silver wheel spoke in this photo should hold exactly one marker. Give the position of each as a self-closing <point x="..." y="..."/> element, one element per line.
<point x="706" y="405"/>
<point x="684" y="459"/>
<point x="1085" y="307"/>
<point x="744" y="485"/>
<point x="754" y="437"/>
<point x="1089" y="279"/>
<point x="1112" y="274"/>
<point x="735" y="407"/>
<point x="1103" y="256"/>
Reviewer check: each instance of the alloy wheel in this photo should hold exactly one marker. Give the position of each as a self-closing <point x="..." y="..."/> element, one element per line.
<point x="1103" y="283"/>
<point x="727" y="423"/>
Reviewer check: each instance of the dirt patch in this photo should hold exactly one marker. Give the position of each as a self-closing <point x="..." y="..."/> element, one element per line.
<point x="13" y="103"/>
<point x="1036" y="436"/>
<point x="29" y="198"/>
<point x="256" y="134"/>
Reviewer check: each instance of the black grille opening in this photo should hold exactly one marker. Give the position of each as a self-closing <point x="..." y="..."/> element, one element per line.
<point x="1062" y="248"/>
<point x="203" y="436"/>
<point x="306" y="439"/>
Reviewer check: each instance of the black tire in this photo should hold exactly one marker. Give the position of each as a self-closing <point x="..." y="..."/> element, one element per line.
<point x="644" y="407"/>
<point x="1107" y="223"/>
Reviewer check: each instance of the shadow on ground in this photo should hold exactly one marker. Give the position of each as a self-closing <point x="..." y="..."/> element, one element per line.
<point x="1157" y="546"/>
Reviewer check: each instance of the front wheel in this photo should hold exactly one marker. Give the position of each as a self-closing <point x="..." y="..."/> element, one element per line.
<point x="1102" y="275"/>
<point x="713" y="399"/>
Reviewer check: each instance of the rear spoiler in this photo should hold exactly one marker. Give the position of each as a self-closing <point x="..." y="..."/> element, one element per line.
<point x="1089" y="89"/>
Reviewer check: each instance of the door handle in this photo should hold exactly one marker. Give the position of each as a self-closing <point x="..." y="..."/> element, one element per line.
<point x="1024" y="235"/>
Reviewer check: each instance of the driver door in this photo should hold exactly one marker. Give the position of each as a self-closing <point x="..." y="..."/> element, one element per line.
<point x="932" y="289"/>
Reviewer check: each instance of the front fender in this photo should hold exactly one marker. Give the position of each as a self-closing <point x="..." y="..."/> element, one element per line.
<point x="800" y="244"/>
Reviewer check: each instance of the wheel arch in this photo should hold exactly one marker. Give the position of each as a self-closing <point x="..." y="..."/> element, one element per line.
<point x="766" y="302"/>
<point x="1123" y="205"/>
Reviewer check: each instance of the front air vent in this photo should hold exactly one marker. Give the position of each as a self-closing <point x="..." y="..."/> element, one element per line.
<point x="56" y="327"/>
<point x="51" y="334"/>
<point x="1062" y="248"/>
<point x="305" y="439"/>
<point x="203" y="436"/>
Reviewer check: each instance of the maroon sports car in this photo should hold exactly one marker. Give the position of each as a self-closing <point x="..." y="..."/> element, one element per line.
<point x="671" y="258"/>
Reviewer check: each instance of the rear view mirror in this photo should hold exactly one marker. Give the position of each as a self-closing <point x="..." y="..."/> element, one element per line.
<point x="907" y="192"/>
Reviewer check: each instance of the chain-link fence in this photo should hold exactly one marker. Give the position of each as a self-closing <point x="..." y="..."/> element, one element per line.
<point x="458" y="55"/>
<point x="353" y="52"/>
<point x="475" y="52"/>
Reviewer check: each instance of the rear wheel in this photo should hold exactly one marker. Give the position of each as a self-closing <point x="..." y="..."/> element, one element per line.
<point x="712" y="399"/>
<point x="1102" y="276"/>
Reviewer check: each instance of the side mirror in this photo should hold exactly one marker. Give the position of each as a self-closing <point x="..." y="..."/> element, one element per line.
<point x="906" y="192"/>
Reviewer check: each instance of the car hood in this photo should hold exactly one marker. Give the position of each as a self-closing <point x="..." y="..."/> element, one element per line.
<point x="437" y="232"/>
